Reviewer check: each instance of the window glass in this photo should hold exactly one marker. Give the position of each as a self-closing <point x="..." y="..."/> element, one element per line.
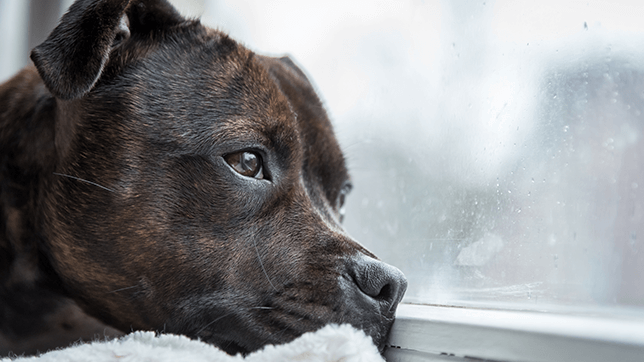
<point x="496" y="147"/>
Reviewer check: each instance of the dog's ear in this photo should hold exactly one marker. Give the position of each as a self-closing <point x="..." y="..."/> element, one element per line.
<point x="72" y="58"/>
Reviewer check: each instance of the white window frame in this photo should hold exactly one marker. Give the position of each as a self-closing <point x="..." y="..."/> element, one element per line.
<point x="440" y="333"/>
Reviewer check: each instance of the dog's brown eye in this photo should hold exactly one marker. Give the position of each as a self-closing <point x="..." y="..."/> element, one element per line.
<point x="246" y="163"/>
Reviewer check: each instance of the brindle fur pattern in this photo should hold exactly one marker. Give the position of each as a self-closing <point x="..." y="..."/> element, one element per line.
<point x="115" y="195"/>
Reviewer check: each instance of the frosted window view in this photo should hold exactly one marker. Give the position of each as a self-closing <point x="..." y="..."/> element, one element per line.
<point x="517" y="180"/>
<point x="497" y="147"/>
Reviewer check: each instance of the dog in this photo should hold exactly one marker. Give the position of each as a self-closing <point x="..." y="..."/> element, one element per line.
<point x="157" y="175"/>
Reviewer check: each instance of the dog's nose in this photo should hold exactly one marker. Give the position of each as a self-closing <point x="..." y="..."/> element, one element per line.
<point x="380" y="281"/>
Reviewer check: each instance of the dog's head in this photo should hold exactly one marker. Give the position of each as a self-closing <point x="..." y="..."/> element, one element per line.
<point x="196" y="187"/>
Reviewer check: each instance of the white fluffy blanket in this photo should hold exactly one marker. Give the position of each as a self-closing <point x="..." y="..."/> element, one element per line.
<point x="332" y="343"/>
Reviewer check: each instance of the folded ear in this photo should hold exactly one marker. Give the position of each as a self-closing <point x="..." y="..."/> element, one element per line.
<point x="72" y="58"/>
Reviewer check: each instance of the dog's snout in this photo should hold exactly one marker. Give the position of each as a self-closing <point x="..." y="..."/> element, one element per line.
<point x="380" y="281"/>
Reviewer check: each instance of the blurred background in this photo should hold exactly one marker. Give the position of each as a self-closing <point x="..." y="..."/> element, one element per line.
<point x="496" y="147"/>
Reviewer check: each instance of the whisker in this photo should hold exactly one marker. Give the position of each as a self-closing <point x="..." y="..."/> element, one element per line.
<point x="262" y="265"/>
<point x="279" y="334"/>
<point x="226" y="315"/>
<point x="211" y="322"/>
<point x="83" y="180"/>
<point x="118" y="290"/>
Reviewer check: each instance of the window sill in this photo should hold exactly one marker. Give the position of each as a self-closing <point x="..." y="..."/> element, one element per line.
<point x="435" y="333"/>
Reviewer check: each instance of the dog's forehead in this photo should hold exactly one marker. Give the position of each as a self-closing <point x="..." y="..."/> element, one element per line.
<point x="195" y="86"/>
<point x="197" y="80"/>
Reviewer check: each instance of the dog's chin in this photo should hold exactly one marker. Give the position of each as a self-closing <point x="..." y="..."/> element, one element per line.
<point x="229" y="346"/>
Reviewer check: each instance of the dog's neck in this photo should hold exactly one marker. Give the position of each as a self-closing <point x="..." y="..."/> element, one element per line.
<point x="27" y="149"/>
<point x="34" y="313"/>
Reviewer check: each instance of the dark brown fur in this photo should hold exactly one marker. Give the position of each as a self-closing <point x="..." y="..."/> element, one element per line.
<point x="115" y="193"/>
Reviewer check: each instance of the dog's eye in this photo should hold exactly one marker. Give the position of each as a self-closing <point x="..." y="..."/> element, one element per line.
<point x="246" y="163"/>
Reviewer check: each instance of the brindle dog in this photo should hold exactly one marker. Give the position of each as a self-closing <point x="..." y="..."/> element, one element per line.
<point x="161" y="176"/>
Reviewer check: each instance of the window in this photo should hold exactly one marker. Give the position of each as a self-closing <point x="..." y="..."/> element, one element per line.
<point x="496" y="146"/>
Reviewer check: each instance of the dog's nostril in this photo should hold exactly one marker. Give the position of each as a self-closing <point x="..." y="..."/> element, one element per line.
<point x="379" y="280"/>
<point x="385" y="292"/>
